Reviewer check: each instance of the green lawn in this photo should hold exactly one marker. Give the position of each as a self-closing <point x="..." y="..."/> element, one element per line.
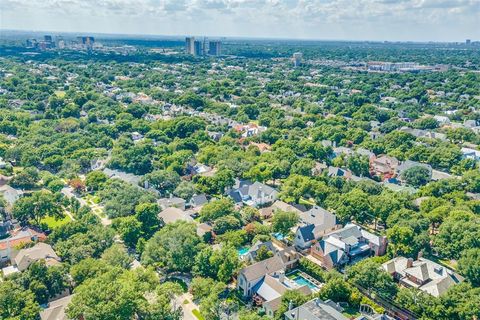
<point x="60" y="94"/>
<point x="52" y="223"/>
<point x="197" y="314"/>
<point x="306" y="201"/>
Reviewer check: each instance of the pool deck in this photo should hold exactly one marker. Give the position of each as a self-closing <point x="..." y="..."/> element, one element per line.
<point x="307" y="277"/>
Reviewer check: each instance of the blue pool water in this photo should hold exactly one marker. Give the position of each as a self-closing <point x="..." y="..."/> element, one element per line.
<point x="301" y="281"/>
<point x="242" y="251"/>
<point x="278" y="236"/>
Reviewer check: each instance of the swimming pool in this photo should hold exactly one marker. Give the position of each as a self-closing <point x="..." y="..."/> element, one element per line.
<point x="242" y="251"/>
<point x="296" y="277"/>
<point x="301" y="281"/>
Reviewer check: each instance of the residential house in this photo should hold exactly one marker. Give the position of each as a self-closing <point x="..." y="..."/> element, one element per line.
<point x="249" y="130"/>
<point x="338" y="172"/>
<point x="203" y="229"/>
<point x="253" y="274"/>
<point x="408" y="164"/>
<point x="346" y="245"/>
<point x="253" y="194"/>
<point x="56" y="309"/>
<point x="278" y="205"/>
<point x="314" y="223"/>
<point x="268" y="292"/>
<point x="338" y="151"/>
<point x="440" y="175"/>
<point x="383" y="166"/>
<point x="137" y="136"/>
<point x="468" y="153"/>
<point x="365" y="152"/>
<point x="11" y="195"/>
<point x="173" y="214"/>
<point x="198" y="168"/>
<point x="442" y="120"/>
<point x="124" y="176"/>
<point x="40" y="251"/>
<point x="263" y="147"/>
<point x="18" y="237"/>
<point x="198" y="200"/>
<point x="422" y="274"/>
<point x="5" y="227"/>
<point x="319" y="168"/>
<point x="315" y="309"/>
<point x="251" y="255"/>
<point x="176" y="202"/>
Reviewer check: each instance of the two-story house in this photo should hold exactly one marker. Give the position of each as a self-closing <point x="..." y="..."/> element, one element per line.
<point x="348" y="244"/>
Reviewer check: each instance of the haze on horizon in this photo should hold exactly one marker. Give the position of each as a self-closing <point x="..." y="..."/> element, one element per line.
<point x="396" y="20"/>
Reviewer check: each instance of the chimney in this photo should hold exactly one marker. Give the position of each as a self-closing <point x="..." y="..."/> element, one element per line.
<point x="281" y="277"/>
<point x="420" y="254"/>
<point x="409" y="262"/>
<point x="290" y="305"/>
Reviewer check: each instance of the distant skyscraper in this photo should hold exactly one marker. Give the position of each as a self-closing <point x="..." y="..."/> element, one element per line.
<point x="215" y="48"/>
<point x="47" y="38"/>
<point x="59" y="42"/>
<point x="468" y="42"/>
<point x="198" y="47"/>
<point x="31" y="43"/>
<point x="87" y="41"/>
<point x="297" y="59"/>
<point x="189" y="45"/>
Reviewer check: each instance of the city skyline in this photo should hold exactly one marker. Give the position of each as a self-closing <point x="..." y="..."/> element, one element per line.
<point x="376" y="20"/>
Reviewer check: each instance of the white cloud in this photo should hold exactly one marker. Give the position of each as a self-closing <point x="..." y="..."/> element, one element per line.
<point x="347" y="19"/>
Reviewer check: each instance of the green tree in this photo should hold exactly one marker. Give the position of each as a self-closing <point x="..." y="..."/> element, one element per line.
<point x="216" y="209"/>
<point x="400" y="240"/>
<point x="416" y="176"/>
<point x="469" y="265"/>
<point x="17" y="303"/>
<point x="164" y="181"/>
<point x="147" y="215"/>
<point x="185" y="190"/>
<point x="129" y="228"/>
<point x="173" y="247"/>
<point x="283" y="221"/>
<point x="369" y="275"/>
<point x="263" y="253"/>
<point x="117" y="256"/>
<point x="117" y="293"/>
<point x="95" y="180"/>
<point x="37" y="206"/>
<point x="354" y="205"/>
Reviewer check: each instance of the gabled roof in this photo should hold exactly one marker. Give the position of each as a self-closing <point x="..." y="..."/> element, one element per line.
<point x="315" y="309"/>
<point x="262" y="268"/>
<point x="199" y="199"/>
<point x="306" y="232"/>
<point x="56" y="309"/>
<point x="172" y="214"/>
<point x="319" y="217"/>
<point x="40" y="251"/>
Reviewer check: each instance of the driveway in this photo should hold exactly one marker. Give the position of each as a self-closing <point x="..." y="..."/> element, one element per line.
<point x="187" y="307"/>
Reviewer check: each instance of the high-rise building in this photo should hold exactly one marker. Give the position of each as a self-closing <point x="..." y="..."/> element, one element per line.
<point x="297" y="59"/>
<point x="47" y="38"/>
<point x="189" y="45"/>
<point x="198" y="47"/>
<point x="215" y="48"/>
<point x="468" y="42"/>
<point x="59" y="42"/>
<point x="87" y="41"/>
<point x="31" y="43"/>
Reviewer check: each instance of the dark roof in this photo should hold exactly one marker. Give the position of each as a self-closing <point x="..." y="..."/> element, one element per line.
<point x="199" y="199"/>
<point x="307" y="232"/>
<point x="235" y="195"/>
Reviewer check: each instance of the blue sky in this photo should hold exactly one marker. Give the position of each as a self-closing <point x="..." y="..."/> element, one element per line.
<point x="416" y="20"/>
